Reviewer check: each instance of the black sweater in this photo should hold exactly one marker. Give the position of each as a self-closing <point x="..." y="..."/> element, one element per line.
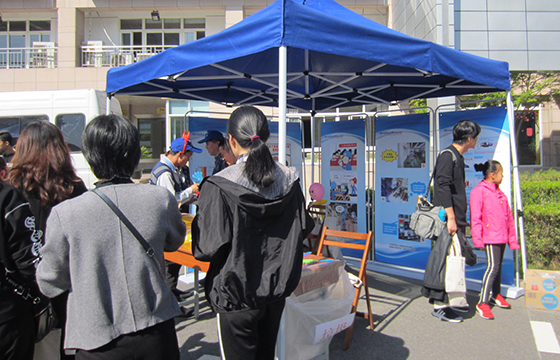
<point x="449" y="185"/>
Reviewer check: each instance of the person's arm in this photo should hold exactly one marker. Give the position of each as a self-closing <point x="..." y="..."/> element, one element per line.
<point x="53" y="272"/>
<point x="512" y="236"/>
<point x="18" y="235"/>
<point x="212" y="227"/>
<point x="182" y="197"/>
<point x="476" y="203"/>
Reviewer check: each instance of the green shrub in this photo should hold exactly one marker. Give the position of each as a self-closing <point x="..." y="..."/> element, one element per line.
<point x="542" y="235"/>
<point x="540" y="192"/>
<point x="540" y="175"/>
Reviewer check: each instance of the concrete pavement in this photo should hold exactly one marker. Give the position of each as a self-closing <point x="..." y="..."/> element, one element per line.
<point x="405" y="329"/>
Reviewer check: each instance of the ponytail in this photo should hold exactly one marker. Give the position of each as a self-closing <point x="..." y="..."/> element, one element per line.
<point x="249" y="127"/>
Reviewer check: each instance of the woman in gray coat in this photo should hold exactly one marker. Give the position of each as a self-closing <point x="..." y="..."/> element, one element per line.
<point x="119" y="306"/>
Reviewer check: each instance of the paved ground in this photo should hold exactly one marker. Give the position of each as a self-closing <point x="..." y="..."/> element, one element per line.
<point x="405" y="329"/>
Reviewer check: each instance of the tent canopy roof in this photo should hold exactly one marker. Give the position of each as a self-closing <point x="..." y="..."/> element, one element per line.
<point x="336" y="58"/>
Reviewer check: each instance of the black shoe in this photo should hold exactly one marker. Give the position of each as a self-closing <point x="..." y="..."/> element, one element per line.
<point x="186" y="313"/>
<point x="464" y="309"/>
<point x="447" y="314"/>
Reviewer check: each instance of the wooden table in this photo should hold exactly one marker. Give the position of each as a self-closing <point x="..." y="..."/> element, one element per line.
<point x="185" y="257"/>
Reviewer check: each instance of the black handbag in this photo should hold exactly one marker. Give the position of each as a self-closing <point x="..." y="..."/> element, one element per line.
<point x="43" y="312"/>
<point x="466" y="249"/>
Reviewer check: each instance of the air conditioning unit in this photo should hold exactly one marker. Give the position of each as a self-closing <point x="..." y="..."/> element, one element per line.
<point x="43" y="54"/>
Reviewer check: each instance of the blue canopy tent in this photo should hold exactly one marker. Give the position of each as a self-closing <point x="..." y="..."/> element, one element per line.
<point x="310" y="55"/>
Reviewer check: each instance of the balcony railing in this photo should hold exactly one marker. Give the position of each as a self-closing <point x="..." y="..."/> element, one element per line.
<point x="29" y="58"/>
<point x="112" y="56"/>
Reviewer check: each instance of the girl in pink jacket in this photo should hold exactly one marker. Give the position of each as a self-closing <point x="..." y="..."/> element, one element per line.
<point x="492" y="227"/>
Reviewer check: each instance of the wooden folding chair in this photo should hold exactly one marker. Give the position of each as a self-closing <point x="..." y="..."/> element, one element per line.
<point x="332" y="238"/>
<point x="318" y="213"/>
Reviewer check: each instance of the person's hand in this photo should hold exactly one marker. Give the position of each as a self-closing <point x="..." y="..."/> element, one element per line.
<point x="194" y="188"/>
<point x="451" y="226"/>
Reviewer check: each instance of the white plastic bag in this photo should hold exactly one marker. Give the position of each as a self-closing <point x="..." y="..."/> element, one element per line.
<point x="455" y="283"/>
<point x="302" y="315"/>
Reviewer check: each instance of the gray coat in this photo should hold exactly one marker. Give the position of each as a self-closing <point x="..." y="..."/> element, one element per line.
<point x="115" y="288"/>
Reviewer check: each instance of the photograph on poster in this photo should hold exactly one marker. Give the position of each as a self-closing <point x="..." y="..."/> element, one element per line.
<point x="342" y="217"/>
<point x="405" y="232"/>
<point x="412" y="155"/>
<point x="344" y="157"/>
<point x="344" y="186"/>
<point x="394" y="190"/>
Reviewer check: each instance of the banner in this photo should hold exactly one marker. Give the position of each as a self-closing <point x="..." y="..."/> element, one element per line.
<point x="493" y="143"/>
<point x="343" y="176"/>
<point x="402" y="148"/>
<point x="204" y="162"/>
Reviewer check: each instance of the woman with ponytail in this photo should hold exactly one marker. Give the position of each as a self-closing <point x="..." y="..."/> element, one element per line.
<point x="250" y="225"/>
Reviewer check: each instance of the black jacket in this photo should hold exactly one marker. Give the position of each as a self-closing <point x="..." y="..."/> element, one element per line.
<point x="434" y="276"/>
<point x="449" y="185"/>
<point x="253" y="243"/>
<point x="17" y="236"/>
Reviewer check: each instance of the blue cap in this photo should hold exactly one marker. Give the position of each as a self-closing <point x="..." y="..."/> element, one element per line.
<point x="178" y="144"/>
<point x="212" y="135"/>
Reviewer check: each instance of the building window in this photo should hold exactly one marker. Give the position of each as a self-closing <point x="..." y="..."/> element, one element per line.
<point x="528" y="136"/>
<point x="161" y="34"/>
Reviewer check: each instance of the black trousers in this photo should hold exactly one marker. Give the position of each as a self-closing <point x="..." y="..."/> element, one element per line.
<point x="492" y="279"/>
<point x="172" y="274"/>
<point x="17" y="338"/>
<point x="158" y="342"/>
<point x="250" y="334"/>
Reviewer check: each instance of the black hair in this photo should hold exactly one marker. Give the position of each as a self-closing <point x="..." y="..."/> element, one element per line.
<point x="489" y="167"/>
<point x="225" y="145"/>
<point x="3" y="164"/>
<point x="465" y="129"/>
<point x="111" y="146"/>
<point x="249" y="128"/>
<point x="6" y="136"/>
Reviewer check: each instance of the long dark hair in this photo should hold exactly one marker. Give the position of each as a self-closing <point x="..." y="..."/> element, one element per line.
<point x="249" y="128"/>
<point x="42" y="166"/>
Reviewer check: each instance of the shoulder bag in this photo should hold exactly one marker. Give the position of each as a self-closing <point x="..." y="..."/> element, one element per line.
<point x="428" y="220"/>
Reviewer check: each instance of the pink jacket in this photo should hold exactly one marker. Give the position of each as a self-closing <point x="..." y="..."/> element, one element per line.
<point x="491" y="218"/>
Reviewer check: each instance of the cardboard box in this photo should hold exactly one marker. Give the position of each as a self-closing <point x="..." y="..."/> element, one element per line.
<point x="542" y="289"/>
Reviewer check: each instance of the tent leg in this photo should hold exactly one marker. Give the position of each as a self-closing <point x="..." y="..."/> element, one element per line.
<point x="282" y="100"/>
<point x="518" y="204"/>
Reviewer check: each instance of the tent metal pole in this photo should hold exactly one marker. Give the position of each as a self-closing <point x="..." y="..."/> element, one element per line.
<point x="312" y="147"/>
<point x="518" y="204"/>
<point x="282" y="96"/>
<point x="108" y="105"/>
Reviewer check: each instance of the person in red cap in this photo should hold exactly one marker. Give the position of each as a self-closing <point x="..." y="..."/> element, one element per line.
<point x="167" y="173"/>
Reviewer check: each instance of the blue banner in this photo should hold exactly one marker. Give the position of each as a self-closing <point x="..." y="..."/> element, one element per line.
<point x="402" y="148"/>
<point x="493" y="143"/>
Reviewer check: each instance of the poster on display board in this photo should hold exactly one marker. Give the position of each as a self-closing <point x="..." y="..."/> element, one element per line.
<point x="402" y="173"/>
<point x="204" y="162"/>
<point x="493" y="143"/>
<point x="343" y="176"/>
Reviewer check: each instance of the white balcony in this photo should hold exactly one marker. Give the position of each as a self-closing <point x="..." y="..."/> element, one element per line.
<point x="96" y="55"/>
<point x="41" y="55"/>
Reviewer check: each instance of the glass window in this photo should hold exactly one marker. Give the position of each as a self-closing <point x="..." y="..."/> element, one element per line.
<point x="200" y="34"/>
<point x="171" y="39"/>
<point x="171" y="23"/>
<point x="17" y="41"/>
<point x="199" y="23"/>
<point x="189" y="36"/>
<point x="127" y="24"/>
<point x="15" y="124"/>
<point x="39" y="25"/>
<point x="125" y="39"/>
<point x="150" y="24"/>
<point x="72" y="127"/>
<point x="18" y="25"/>
<point x="528" y="137"/>
<point x="153" y="39"/>
<point x="4" y="26"/>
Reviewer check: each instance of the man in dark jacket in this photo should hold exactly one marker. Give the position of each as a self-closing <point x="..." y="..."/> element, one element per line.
<point x="449" y="192"/>
<point x="19" y="247"/>
<point x="214" y="139"/>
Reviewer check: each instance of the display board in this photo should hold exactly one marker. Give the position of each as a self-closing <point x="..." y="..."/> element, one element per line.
<point x="343" y="175"/>
<point x="493" y="143"/>
<point x="402" y="173"/>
